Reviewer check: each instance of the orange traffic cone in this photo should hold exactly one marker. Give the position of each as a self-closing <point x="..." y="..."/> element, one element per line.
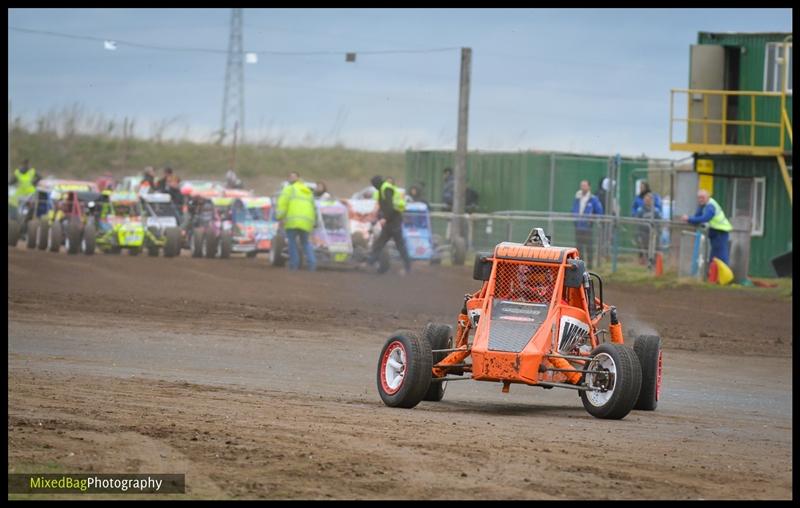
<point x="659" y="264"/>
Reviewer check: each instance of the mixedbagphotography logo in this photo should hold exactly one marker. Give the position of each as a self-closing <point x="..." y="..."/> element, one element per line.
<point x="96" y="483"/>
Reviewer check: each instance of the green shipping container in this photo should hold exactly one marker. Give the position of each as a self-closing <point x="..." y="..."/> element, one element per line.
<point x="521" y="180"/>
<point x="748" y="53"/>
<point x="775" y="236"/>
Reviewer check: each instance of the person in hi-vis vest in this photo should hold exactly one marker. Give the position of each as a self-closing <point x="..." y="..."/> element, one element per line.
<point x="25" y="178"/>
<point x="709" y="211"/>
<point x="298" y="212"/>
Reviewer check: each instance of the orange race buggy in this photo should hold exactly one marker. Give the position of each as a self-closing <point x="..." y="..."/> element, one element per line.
<point x="535" y="321"/>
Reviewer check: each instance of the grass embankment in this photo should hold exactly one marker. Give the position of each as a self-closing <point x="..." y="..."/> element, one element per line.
<point x="637" y="274"/>
<point x="89" y="156"/>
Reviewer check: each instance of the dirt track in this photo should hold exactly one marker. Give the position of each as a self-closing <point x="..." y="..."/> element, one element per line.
<point x="261" y="384"/>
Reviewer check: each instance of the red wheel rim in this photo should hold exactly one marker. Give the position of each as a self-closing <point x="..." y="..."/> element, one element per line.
<point x="390" y="350"/>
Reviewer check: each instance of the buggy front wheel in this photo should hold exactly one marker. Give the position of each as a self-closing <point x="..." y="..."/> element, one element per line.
<point x="404" y="369"/>
<point x="439" y="336"/>
<point x="614" y="381"/>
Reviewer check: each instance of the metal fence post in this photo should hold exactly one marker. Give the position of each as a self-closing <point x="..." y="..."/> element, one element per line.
<point x="651" y="246"/>
<point x="615" y="242"/>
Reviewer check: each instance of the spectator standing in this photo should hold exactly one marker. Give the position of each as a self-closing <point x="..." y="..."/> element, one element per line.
<point x="448" y="189"/>
<point x="415" y="194"/>
<point x="650" y="212"/>
<point x="585" y="204"/>
<point x="644" y="188"/>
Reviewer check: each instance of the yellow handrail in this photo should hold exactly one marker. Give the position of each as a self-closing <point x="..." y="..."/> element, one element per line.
<point x="698" y="109"/>
<point x="787" y="123"/>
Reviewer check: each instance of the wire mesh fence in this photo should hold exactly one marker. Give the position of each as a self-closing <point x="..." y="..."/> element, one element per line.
<point x="605" y="242"/>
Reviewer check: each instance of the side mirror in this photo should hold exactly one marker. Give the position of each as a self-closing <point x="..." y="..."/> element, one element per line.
<point x="482" y="269"/>
<point x="573" y="276"/>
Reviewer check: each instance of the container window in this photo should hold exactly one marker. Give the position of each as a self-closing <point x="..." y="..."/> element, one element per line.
<point x="759" y="195"/>
<point x="773" y="77"/>
<point x="748" y="201"/>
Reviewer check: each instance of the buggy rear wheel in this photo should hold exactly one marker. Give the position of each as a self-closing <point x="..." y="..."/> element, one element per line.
<point x="152" y="247"/>
<point x="404" y="369"/>
<point x="41" y="235"/>
<point x="173" y="245"/>
<point x="210" y="241"/>
<point x="618" y="384"/>
<point x="648" y="351"/>
<point x="55" y="237"/>
<point x="33" y="227"/>
<point x="225" y="246"/>
<point x="72" y="242"/>
<point x="89" y="239"/>
<point x="440" y="337"/>
<point x="13" y="232"/>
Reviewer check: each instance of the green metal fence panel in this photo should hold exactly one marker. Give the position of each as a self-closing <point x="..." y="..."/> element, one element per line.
<point x="521" y="180"/>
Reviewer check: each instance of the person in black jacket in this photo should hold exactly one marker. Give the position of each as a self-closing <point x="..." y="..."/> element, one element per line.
<point x="391" y="219"/>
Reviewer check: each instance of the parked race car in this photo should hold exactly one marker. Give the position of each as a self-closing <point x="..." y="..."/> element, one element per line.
<point x="421" y="243"/>
<point x="362" y="214"/>
<point x="535" y="321"/>
<point x="161" y="220"/>
<point x="208" y="227"/>
<point x="68" y="219"/>
<point x="32" y="213"/>
<point x="253" y="225"/>
<point x="119" y="225"/>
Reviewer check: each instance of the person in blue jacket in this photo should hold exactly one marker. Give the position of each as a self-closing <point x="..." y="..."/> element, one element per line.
<point x="710" y="212"/>
<point x="638" y="202"/>
<point x="585" y="203"/>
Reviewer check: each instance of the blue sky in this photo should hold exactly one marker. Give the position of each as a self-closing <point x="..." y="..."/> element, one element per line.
<point x="584" y="80"/>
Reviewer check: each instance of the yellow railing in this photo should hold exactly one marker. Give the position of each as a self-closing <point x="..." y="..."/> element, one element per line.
<point x="787" y="123"/>
<point x="707" y="122"/>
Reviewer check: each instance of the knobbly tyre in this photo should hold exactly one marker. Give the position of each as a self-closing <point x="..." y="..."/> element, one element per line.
<point x="535" y="321"/>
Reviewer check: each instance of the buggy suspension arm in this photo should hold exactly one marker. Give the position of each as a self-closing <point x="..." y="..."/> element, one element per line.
<point x="461" y="350"/>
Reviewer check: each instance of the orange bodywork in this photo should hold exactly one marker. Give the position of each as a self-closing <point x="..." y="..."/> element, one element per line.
<point x="524" y="314"/>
